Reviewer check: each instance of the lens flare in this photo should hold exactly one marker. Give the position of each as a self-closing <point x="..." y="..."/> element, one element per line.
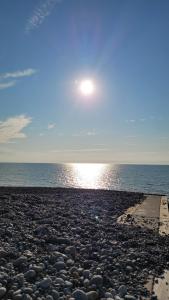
<point x="87" y="87"/>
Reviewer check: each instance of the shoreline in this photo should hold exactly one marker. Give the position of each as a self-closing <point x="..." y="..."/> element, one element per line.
<point x="66" y="243"/>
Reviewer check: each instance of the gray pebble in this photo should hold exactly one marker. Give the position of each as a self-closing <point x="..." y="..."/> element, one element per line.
<point x="86" y="282"/>
<point x="27" y="297"/>
<point x="55" y="294"/>
<point x="2" y="291"/>
<point x="20" y="261"/>
<point x="59" y="281"/>
<point x="68" y="284"/>
<point x="122" y="291"/>
<point x="129" y="297"/>
<point x="92" y="295"/>
<point x="49" y="297"/>
<point x="30" y="274"/>
<point x="79" y="295"/>
<point x="108" y="295"/>
<point x="71" y="250"/>
<point x="45" y="283"/>
<point x="97" y="280"/>
<point x="86" y="273"/>
<point x="60" y="265"/>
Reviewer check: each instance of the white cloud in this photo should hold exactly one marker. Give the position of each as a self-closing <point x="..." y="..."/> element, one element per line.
<point x="12" y="128"/>
<point x="40" y="14"/>
<point x="6" y="85"/>
<point x="80" y="150"/>
<point x="51" y="126"/>
<point x="18" y="74"/>
<point x="84" y="133"/>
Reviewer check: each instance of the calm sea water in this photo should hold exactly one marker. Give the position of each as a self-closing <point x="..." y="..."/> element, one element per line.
<point x="144" y="178"/>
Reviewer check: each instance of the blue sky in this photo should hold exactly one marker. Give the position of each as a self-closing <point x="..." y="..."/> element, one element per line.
<point x="47" y="46"/>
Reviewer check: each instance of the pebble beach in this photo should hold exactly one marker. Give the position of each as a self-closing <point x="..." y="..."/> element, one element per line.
<point x="61" y="243"/>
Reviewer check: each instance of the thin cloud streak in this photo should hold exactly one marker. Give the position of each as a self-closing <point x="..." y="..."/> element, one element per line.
<point x="18" y="74"/>
<point x="40" y="14"/>
<point x="80" y="150"/>
<point x="51" y="126"/>
<point x="6" y="85"/>
<point x="12" y="128"/>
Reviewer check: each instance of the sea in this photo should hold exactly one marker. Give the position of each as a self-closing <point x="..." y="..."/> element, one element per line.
<point x="142" y="178"/>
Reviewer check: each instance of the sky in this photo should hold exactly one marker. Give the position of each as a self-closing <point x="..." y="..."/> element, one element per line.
<point x="49" y="46"/>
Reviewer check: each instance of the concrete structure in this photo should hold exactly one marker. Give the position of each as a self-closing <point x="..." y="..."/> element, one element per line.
<point x="152" y="213"/>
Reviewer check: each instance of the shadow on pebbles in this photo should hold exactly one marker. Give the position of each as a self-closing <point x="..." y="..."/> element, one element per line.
<point x="66" y="244"/>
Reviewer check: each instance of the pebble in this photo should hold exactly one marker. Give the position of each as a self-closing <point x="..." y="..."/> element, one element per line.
<point x="55" y="294"/>
<point x="92" y="295"/>
<point x="71" y="250"/>
<point x="27" y="297"/>
<point x="49" y="297"/>
<point x="60" y="265"/>
<point x="122" y="291"/>
<point x="59" y="281"/>
<point x="20" y="261"/>
<point x="97" y="280"/>
<point x="86" y="282"/>
<point x="45" y="283"/>
<point x="130" y="297"/>
<point x="30" y="274"/>
<point x="108" y="295"/>
<point x="2" y="291"/>
<point x="79" y="295"/>
<point x="86" y="273"/>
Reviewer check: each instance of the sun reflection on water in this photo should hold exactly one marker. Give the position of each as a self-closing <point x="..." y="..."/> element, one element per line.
<point x="88" y="175"/>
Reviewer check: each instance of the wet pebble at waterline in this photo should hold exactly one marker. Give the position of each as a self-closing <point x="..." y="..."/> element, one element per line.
<point x="66" y="244"/>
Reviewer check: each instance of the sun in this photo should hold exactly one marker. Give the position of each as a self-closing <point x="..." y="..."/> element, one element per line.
<point x="86" y="87"/>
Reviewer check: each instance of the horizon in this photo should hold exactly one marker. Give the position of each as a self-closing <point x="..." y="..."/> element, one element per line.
<point x="84" y="82"/>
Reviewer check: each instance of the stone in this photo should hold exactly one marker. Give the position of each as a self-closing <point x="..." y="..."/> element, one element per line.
<point x="55" y="294"/>
<point x="79" y="295"/>
<point x="49" y="297"/>
<point x="108" y="295"/>
<point x="2" y="291"/>
<point x="38" y="268"/>
<point x="27" y="290"/>
<point x="27" y="297"/>
<point x="71" y="250"/>
<point x="92" y="295"/>
<point x="60" y="265"/>
<point x="86" y="282"/>
<point x="68" y="284"/>
<point x="30" y="274"/>
<point x="60" y="281"/>
<point x="86" y="273"/>
<point x="17" y="297"/>
<point x="97" y="280"/>
<point x="129" y="297"/>
<point x="45" y="283"/>
<point x="20" y="261"/>
<point x="122" y="291"/>
<point x="70" y="262"/>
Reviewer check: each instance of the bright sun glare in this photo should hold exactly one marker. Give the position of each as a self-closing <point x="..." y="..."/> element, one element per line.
<point x="87" y="87"/>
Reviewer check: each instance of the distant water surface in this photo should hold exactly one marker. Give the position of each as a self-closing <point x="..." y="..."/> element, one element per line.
<point x="144" y="178"/>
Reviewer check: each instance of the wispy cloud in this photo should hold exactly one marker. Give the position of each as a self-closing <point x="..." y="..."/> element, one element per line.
<point x="131" y="121"/>
<point x="18" y="74"/>
<point x="12" y="128"/>
<point x="51" y="126"/>
<point x="40" y="14"/>
<point x="85" y="133"/>
<point x="6" y="85"/>
<point x="80" y="150"/>
<point x="136" y="120"/>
